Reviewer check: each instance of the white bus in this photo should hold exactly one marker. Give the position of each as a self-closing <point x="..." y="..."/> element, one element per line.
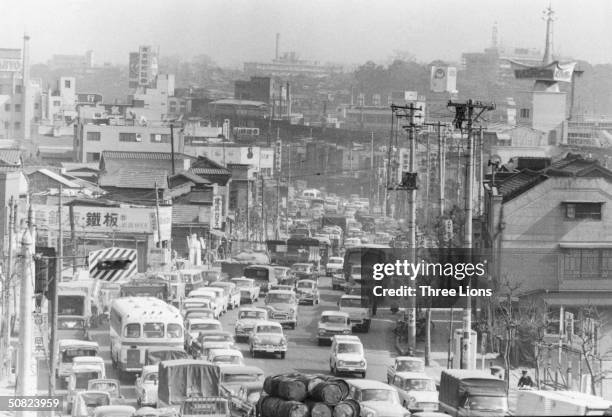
<point x="138" y="323"/>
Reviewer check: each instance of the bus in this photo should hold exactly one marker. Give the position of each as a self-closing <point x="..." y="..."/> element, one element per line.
<point x="146" y="287"/>
<point x="353" y="257"/>
<point x="139" y="323"/>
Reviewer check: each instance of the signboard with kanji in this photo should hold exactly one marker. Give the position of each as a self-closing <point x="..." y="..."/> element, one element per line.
<point x="216" y="222"/>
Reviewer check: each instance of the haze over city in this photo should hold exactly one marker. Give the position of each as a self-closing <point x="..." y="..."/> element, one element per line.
<point x="327" y="31"/>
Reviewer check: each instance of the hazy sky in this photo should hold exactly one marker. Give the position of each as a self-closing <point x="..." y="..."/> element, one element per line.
<point x="345" y="31"/>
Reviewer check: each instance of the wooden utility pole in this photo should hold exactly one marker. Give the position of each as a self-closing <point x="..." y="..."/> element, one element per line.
<point x="159" y="236"/>
<point x="441" y="168"/>
<point x="172" y="146"/>
<point x="54" y="296"/>
<point x="464" y="112"/>
<point x="6" y="289"/>
<point x="371" y="173"/>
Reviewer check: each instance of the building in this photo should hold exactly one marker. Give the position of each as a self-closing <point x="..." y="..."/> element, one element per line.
<point x="59" y="109"/>
<point x="274" y="93"/>
<point x="289" y="65"/>
<point x="241" y="113"/>
<point x="143" y="68"/>
<point x="72" y="62"/>
<point x="259" y="159"/>
<point x="151" y="102"/>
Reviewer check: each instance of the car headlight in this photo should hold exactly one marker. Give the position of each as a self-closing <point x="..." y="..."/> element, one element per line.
<point x="362" y="363"/>
<point x="412" y="400"/>
<point x="321" y="331"/>
<point x="283" y="341"/>
<point x="341" y="363"/>
<point x="346" y="331"/>
<point x="368" y="412"/>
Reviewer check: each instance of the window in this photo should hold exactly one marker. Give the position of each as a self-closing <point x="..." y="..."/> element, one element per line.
<point x="132" y="330"/>
<point x="127" y="137"/>
<point x="93" y="136"/>
<point x="17" y="125"/>
<point x="93" y="157"/>
<point x="18" y="89"/>
<point x="155" y="330"/>
<point x="7" y="107"/>
<point x="587" y="264"/>
<point x="17" y="107"/>
<point x="524" y="114"/>
<point x="175" y="331"/>
<point x="57" y="103"/>
<point x="160" y="138"/>
<point x="66" y="83"/>
<point x="580" y="211"/>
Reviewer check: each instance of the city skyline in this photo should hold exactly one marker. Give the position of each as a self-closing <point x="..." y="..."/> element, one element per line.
<point x="246" y="30"/>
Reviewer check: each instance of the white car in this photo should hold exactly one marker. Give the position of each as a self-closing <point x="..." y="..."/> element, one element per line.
<point x="347" y="356"/>
<point x="268" y="337"/>
<point x="225" y="357"/>
<point x="332" y="323"/>
<point x="146" y="386"/>
<point x="249" y="290"/>
<point x="376" y="398"/>
<point x="417" y="391"/>
<point x="248" y="317"/>
<point x="217" y="294"/>
<point x="334" y="265"/>
<point x="194" y="326"/>
<point x="233" y="294"/>
<point x="200" y="302"/>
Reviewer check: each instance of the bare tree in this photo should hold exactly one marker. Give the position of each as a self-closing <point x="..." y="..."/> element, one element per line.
<point x="588" y="337"/>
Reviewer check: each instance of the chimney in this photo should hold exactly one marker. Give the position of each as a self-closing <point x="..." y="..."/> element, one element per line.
<point x="26" y="112"/>
<point x="277" y="44"/>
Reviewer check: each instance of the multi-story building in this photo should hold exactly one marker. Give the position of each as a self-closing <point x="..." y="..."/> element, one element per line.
<point x="72" y="61"/>
<point x="274" y="93"/>
<point x="143" y="67"/>
<point x="289" y="65"/>
<point x="260" y="159"/>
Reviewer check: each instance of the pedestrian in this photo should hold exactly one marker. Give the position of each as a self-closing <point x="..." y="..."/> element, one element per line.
<point x="525" y="381"/>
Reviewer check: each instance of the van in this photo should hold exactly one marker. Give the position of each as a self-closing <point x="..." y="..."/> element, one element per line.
<point x="347" y="356"/>
<point x="68" y="350"/>
<point x="466" y="392"/>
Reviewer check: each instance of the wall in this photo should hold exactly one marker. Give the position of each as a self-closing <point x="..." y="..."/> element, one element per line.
<point x="549" y="110"/>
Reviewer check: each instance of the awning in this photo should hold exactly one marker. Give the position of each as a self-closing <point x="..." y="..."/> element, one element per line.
<point x="579" y="298"/>
<point x="585" y="245"/>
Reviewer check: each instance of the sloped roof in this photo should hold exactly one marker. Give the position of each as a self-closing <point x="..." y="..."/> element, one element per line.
<point x="196" y="197"/>
<point x="58" y="178"/>
<point x="210" y="171"/>
<point x="191" y="177"/>
<point x="575" y="165"/>
<point x="10" y="157"/>
<point x="517" y="184"/>
<point x="135" y="178"/>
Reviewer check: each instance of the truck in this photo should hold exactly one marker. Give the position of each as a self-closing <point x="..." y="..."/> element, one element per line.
<point x="146" y="287"/>
<point x="74" y="303"/>
<point x="465" y="392"/>
<point x="559" y="403"/>
<point x="358" y="309"/>
<point x="334" y="220"/>
<point x="181" y="379"/>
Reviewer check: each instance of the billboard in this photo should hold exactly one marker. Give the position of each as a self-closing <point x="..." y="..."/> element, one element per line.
<point x="552" y="72"/>
<point x="217" y="213"/>
<point x="134" y="69"/>
<point x="443" y="79"/>
<point x="10" y="65"/>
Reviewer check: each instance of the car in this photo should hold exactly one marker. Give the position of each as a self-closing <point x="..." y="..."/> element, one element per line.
<point x="347" y="356"/>
<point x="376" y="398"/>
<point x="212" y="340"/>
<point x="417" y="391"/>
<point x="85" y="402"/>
<point x="304" y="271"/>
<point x="81" y="374"/>
<point x="249" y="290"/>
<point x="114" y="411"/>
<point x="200" y="313"/>
<point x="358" y="310"/>
<point x="282" y="306"/>
<point x="334" y="265"/>
<point x="332" y="323"/>
<point x="268" y="337"/>
<point x="146" y="386"/>
<point x="405" y="364"/>
<point x="247" y="318"/>
<point x="282" y="273"/>
<point x="217" y="296"/>
<point x="250" y="379"/>
<point x="232" y="292"/>
<point x="205" y="407"/>
<point x="226" y="357"/>
<point x="307" y="292"/>
<point x="282" y="287"/>
<point x="200" y="302"/>
<point x="193" y="327"/>
<point x="111" y="386"/>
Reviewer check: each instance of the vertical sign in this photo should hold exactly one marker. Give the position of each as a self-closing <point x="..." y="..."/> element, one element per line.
<point x="448" y="230"/>
<point x="217" y="219"/>
<point x="278" y="153"/>
<point x="134" y="69"/>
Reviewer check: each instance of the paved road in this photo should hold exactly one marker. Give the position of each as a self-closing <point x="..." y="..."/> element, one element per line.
<point x="304" y="355"/>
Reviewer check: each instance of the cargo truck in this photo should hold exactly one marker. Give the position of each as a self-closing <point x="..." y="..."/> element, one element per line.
<point x="472" y="393"/>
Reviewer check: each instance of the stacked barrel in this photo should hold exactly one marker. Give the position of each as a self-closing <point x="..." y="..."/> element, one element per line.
<point x="301" y="395"/>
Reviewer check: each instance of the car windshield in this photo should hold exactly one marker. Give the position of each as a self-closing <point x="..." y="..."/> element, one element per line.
<point x="105" y="386"/>
<point x="82" y="378"/>
<point x="233" y="359"/>
<point x="385" y="395"/>
<point x="242" y="377"/>
<point x="242" y="283"/>
<point x="216" y="338"/>
<point x="279" y="298"/>
<point x="350" y="348"/>
<point x="196" y="304"/>
<point x="333" y="319"/>
<point x="252" y="315"/>
<point x="70" y="324"/>
<point x="205" y="326"/>
<point x="410" y="366"/>
<point x="350" y="302"/>
<point x="69" y="354"/>
<point x="305" y="285"/>
<point x="301" y="268"/>
<point x="485" y="403"/>
<point x="95" y="399"/>
<point x="269" y="329"/>
<point x="419" y="385"/>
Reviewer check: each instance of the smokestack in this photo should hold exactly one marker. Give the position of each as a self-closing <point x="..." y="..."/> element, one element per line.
<point x="277" y="44"/>
<point x="26" y="112"/>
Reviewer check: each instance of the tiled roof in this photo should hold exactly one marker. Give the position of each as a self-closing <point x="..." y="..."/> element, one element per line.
<point x="58" y="178"/>
<point x="196" y="197"/>
<point x="191" y="177"/>
<point x="210" y="171"/>
<point x="204" y="162"/>
<point x="517" y="184"/>
<point x="132" y="178"/>
<point x="574" y="165"/>
<point x="166" y="156"/>
<point x="10" y="157"/>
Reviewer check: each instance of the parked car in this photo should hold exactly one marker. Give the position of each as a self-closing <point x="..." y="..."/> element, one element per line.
<point x="332" y="323"/>
<point x="417" y="391"/>
<point x="376" y="398"/>
<point x="146" y="386"/>
<point x="347" y="356"/>
<point x="247" y="318"/>
<point x="212" y="340"/>
<point x="232" y="293"/>
<point x="268" y="337"/>
<point x="282" y="307"/>
<point x="307" y="291"/>
<point x="249" y="290"/>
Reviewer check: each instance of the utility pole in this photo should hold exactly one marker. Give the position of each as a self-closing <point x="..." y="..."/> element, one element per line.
<point x="6" y="289"/>
<point x="172" y="146"/>
<point x="441" y="168"/>
<point x="53" y="289"/>
<point x="464" y="112"/>
<point x="409" y="183"/>
<point x="480" y="171"/>
<point x="159" y="237"/>
<point x="263" y="220"/>
<point x="248" y="221"/>
<point x="26" y="369"/>
<point x="371" y="173"/>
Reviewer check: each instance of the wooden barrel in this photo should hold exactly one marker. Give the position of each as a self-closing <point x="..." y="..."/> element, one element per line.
<point x="347" y="408"/>
<point x="330" y="390"/>
<point x="318" y="409"/>
<point x="287" y="386"/>
<point x="277" y="407"/>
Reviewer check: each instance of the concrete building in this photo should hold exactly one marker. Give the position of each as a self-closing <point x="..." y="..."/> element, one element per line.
<point x="289" y="65"/>
<point x="273" y="92"/>
<point x="151" y="102"/>
<point x="72" y="62"/>
<point x="260" y="159"/>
